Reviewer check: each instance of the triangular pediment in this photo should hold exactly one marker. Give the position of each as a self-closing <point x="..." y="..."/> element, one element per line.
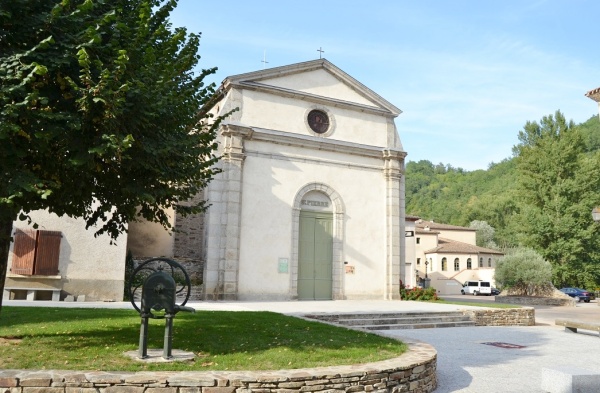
<point x="317" y="79"/>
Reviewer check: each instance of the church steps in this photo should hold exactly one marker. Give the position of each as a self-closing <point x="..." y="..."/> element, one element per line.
<point x="389" y="321"/>
<point x="425" y="325"/>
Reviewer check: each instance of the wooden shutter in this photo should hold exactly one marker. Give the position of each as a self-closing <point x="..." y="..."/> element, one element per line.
<point x="47" y="253"/>
<point x="23" y="254"/>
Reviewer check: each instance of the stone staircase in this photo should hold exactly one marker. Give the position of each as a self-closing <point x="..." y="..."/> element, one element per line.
<point x="390" y="321"/>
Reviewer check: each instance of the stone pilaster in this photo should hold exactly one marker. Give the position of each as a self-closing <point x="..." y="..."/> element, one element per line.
<point x="395" y="256"/>
<point x="224" y="219"/>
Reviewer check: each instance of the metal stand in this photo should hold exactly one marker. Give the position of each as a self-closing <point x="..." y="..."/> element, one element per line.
<point x="168" y="341"/>
<point x="143" y="350"/>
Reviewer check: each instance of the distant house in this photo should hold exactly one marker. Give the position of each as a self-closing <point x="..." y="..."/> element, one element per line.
<point x="449" y="256"/>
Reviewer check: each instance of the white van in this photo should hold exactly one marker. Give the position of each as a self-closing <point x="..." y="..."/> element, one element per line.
<point x="477" y="288"/>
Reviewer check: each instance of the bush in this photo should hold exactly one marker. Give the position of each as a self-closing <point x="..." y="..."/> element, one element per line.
<point x="524" y="272"/>
<point x="417" y="293"/>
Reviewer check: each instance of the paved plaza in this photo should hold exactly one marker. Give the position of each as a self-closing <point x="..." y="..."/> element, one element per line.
<point x="470" y="359"/>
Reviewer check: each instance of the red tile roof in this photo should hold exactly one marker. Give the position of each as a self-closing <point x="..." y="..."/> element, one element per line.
<point x="594" y="94"/>
<point x="447" y="246"/>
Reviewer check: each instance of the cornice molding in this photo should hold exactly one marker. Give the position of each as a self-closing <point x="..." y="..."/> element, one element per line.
<point x="310" y="142"/>
<point x="314" y="98"/>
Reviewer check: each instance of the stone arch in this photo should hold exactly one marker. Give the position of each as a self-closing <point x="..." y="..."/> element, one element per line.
<point x="338" y="238"/>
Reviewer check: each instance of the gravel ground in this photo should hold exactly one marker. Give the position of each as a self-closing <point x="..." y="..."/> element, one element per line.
<point x="467" y="364"/>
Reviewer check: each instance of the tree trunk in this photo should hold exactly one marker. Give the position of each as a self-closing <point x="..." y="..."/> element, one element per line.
<point x="6" y="225"/>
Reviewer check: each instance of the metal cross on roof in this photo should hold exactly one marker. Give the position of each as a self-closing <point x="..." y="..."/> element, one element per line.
<point x="321" y="51"/>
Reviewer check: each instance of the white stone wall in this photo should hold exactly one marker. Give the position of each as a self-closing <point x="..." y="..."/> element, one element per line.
<point x="350" y="126"/>
<point x="319" y="82"/>
<point x="270" y="186"/>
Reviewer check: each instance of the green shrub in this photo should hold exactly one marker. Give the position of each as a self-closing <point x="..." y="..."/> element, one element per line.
<point x="524" y="272"/>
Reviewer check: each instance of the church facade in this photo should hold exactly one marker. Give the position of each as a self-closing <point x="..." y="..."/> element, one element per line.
<point x="310" y="201"/>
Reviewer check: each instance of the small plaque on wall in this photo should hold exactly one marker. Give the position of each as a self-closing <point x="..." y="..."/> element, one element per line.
<point x="349" y="269"/>
<point x="283" y="265"/>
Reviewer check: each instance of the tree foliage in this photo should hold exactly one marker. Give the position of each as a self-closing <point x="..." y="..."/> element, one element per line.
<point x="558" y="187"/>
<point x="523" y="271"/>
<point x="485" y="234"/>
<point x="458" y="197"/>
<point x="99" y="113"/>
<point x="541" y="197"/>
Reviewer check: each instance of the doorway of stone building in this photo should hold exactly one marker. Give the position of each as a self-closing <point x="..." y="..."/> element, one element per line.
<point x="315" y="256"/>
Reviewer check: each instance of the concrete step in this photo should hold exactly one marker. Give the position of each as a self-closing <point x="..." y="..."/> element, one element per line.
<point x="389" y="321"/>
<point x="430" y="325"/>
<point x="404" y="320"/>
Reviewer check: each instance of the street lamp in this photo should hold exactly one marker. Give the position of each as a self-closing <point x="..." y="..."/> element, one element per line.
<point x="595" y="214"/>
<point x="426" y="280"/>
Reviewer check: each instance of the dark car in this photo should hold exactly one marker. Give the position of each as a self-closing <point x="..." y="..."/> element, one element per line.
<point x="577" y="294"/>
<point x="495" y="291"/>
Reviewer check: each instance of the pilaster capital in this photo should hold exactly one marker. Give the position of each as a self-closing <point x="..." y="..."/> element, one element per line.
<point x="233" y="141"/>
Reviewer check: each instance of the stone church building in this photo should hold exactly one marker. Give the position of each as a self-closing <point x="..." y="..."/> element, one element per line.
<point x="310" y="201"/>
<point x="309" y="204"/>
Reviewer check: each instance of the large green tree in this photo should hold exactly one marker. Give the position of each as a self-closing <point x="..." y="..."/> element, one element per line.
<point x="99" y="113"/>
<point x="559" y="184"/>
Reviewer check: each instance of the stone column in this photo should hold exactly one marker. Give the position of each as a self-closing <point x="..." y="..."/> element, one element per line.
<point x="224" y="219"/>
<point x="395" y="258"/>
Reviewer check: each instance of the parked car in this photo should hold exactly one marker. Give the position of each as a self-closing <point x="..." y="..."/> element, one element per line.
<point x="495" y="291"/>
<point x="577" y="294"/>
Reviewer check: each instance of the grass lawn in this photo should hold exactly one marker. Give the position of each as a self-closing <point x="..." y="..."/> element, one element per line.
<point x="95" y="339"/>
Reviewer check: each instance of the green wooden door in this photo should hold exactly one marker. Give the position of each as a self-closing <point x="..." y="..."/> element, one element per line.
<point x="315" y="256"/>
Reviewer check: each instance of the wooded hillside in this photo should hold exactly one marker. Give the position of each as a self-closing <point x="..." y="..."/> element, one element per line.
<point x="552" y="179"/>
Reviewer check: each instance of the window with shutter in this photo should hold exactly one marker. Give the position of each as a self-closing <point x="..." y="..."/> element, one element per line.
<point x="36" y="252"/>
<point x="23" y="252"/>
<point x="47" y="253"/>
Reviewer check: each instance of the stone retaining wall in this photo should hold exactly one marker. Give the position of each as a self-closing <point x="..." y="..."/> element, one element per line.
<point x="524" y="316"/>
<point x="414" y="371"/>
<point x="536" y="300"/>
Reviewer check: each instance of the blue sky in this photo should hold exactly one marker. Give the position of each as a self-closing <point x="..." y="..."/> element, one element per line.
<point x="466" y="74"/>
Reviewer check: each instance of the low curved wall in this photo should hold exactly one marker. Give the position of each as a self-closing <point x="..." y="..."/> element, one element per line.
<point x="414" y="371"/>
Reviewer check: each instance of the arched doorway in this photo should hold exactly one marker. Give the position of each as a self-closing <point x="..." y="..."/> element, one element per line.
<point x="319" y="192"/>
<point x="315" y="247"/>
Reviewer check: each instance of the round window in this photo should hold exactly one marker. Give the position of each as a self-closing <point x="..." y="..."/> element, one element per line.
<point x="318" y="121"/>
